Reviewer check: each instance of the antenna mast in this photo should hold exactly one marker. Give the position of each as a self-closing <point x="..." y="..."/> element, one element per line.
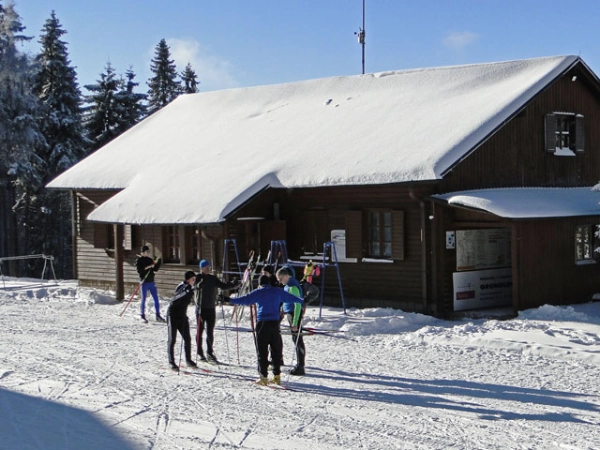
<point x="361" y="37"/>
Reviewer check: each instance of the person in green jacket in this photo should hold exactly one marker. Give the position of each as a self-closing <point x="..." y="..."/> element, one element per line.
<point x="294" y="313"/>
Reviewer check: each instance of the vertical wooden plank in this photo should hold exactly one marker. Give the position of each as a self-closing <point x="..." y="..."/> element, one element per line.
<point x="119" y="257"/>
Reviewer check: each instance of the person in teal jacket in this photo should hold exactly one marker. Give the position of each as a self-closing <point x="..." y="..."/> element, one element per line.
<point x="268" y="300"/>
<point x="294" y="312"/>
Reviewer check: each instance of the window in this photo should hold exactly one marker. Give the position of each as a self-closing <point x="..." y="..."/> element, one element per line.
<point x="104" y="236"/>
<point x="564" y="133"/>
<point x="172" y="240"/>
<point x="380" y="234"/>
<point x="195" y="245"/>
<point x="587" y="239"/>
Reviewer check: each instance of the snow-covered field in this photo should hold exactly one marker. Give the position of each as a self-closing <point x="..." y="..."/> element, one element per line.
<point x="76" y="375"/>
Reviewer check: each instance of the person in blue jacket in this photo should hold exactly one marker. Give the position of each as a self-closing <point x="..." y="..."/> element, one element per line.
<point x="293" y="312"/>
<point x="268" y="300"/>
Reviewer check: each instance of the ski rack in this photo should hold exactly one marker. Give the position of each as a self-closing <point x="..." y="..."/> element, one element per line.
<point x="281" y="247"/>
<point x="225" y="268"/>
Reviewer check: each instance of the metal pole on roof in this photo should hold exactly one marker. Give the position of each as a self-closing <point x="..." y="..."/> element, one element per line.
<point x="361" y="37"/>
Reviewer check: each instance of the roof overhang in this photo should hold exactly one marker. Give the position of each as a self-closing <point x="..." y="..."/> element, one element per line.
<point x="528" y="203"/>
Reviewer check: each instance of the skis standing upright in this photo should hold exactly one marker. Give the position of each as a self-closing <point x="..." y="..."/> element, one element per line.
<point x="246" y="284"/>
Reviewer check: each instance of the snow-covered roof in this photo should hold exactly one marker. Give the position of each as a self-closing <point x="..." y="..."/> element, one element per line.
<point x="529" y="203"/>
<point x="204" y="155"/>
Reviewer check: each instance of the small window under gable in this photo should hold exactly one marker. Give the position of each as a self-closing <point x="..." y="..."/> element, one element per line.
<point x="564" y="133"/>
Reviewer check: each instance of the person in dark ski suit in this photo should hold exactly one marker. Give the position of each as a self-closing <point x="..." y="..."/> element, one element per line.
<point x="268" y="271"/>
<point x="268" y="300"/>
<point x="206" y="315"/>
<point x="294" y="312"/>
<point x="146" y="267"/>
<point x="177" y="319"/>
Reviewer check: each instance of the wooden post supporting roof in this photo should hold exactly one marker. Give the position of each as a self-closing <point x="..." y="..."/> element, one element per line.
<point x="119" y="257"/>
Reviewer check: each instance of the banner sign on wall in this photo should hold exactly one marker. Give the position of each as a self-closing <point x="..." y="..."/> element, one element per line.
<point x="482" y="288"/>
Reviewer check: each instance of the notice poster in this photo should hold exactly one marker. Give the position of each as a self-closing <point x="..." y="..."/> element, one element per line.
<point x="482" y="249"/>
<point x="482" y="288"/>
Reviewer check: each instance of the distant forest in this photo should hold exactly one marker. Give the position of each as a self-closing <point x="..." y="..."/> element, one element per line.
<point x="47" y="124"/>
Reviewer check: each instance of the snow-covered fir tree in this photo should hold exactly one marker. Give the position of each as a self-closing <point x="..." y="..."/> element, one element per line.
<point x="163" y="85"/>
<point x="56" y="86"/>
<point x="113" y="107"/>
<point x="189" y="80"/>
<point x="20" y="137"/>
<point x="101" y="117"/>
<point x="131" y="104"/>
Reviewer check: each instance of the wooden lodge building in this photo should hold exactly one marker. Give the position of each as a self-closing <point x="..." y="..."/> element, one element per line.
<point x="445" y="189"/>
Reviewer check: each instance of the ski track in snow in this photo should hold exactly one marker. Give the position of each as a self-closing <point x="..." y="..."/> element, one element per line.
<point x="429" y="386"/>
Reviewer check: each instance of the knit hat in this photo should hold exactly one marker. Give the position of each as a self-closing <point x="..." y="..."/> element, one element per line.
<point x="204" y="263"/>
<point x="264" y="280"/>
<point x="189" y="274"/>
<point x="144" y="248"/>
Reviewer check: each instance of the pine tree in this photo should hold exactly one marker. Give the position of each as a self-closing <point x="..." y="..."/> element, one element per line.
<point x="101" y="117"/>
<point x="20" y="137"/>
<point x="55" y="84"/>
<point x="130" y="103"/>
<point x="164" y="86"/>
<point x="189" y="79"/>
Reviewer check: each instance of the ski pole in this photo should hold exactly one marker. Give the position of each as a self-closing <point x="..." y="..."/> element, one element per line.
<point x="225" y="330"/>
<point x="135" y="292"/>
<point x="180" y="354"/>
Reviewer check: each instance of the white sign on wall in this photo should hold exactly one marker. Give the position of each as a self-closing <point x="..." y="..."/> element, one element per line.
<point x="482" y="288"/>
<point x="483" y="248"/>
<point x="338" y="237"/>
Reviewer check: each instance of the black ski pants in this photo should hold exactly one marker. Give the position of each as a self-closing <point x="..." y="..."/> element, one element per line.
<point x="268" y="336"/>
<point x="178" y="324"/>
<point x="206" y="320"/>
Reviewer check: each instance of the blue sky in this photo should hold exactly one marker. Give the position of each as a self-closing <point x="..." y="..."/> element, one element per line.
<point x="236" y="43"/>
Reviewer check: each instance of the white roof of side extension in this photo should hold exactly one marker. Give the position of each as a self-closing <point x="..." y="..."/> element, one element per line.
<point x="204" y="155"/>
<point x="529" y="203"/>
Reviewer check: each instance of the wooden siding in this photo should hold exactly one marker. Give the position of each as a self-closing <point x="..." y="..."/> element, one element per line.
<point x="96" y="265"/>
<point x="516" y="154"/>
<point x="398" y="283"/>
<point x="548" y="272"/>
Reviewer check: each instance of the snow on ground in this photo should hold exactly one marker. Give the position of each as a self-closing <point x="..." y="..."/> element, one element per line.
<point x="76" y="375"/>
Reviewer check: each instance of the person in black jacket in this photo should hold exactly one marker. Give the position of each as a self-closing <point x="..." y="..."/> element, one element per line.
<point x="177" y="319"/>
<point x="206" y="315"/>
<point x="146" y="267"/>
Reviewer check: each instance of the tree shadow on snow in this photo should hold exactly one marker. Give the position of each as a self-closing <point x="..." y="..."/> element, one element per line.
<point x="440" y="393"/>
<point x="33" y="423"/>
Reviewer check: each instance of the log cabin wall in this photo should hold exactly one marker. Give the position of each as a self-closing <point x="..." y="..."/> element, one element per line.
<point x="318" y="211"/>
<point x="544" y="257"/>
<point x="548" y="272"/>
<point x="94" y="257"/>
<point x="516" y="154"/>
<point x="95" y="247"/>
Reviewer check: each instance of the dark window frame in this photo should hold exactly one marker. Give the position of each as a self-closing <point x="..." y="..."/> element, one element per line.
<point x="564" y="132"/>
